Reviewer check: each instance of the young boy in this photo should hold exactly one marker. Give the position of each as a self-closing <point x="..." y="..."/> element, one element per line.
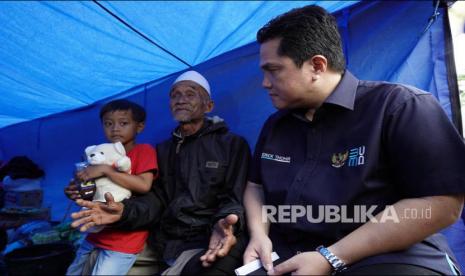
<point x="117" y="250"/>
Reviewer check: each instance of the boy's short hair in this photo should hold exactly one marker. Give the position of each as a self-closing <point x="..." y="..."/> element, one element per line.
<point x="138" y="112"/>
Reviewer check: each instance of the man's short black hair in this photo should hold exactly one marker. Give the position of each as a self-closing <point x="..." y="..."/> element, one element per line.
<point x="138" y="112"/>
<point x="306" y="32"/>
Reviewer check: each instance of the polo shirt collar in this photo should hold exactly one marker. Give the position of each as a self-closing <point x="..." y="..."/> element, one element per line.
<point x="344" y="94"/>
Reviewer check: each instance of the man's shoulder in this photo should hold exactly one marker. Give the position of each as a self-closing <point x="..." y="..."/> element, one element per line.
<point x="391" y="94"/>
<point x="164" y="145"/>
<point x="227" y="136"/>
<point x="385" y="87"/>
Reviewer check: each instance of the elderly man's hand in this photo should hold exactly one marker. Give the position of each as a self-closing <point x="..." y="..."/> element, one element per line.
<point x="97" y="213"/>
<point x="221" y="240"/>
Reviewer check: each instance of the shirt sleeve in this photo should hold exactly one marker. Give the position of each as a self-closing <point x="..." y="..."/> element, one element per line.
<point x="426" y="153"/>
<point x="234" y="184"/>
<point x="141" y="212"/>
<point x="144" y="159"/>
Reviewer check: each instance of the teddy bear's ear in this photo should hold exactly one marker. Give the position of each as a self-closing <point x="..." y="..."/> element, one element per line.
<point x="119" y="148"/>
<point x="90" y="149"/>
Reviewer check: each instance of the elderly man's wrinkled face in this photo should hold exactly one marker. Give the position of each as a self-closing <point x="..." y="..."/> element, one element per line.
<point x="189" y="102"/>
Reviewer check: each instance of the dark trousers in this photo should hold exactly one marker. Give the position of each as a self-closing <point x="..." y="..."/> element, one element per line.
<point x="222" y="266"/>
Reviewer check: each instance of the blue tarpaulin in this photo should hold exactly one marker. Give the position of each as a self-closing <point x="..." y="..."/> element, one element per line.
<point x="61" y="55"/>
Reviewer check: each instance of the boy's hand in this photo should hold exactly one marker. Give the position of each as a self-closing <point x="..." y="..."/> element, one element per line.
<point x="97" y="213"/>
<point x="93" y="171"/>
<point x="72" y="190"/>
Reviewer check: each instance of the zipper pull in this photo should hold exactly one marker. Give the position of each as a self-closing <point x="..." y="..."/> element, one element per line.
<point x="178" y="146"/>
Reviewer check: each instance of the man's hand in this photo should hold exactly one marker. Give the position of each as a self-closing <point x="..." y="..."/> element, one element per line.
<point x="97" y="213"/>
<point x="308" y="263"/>
<point x="72" y="191"/>
<point x="221" y="240"/>
<point x="259" y="247"/>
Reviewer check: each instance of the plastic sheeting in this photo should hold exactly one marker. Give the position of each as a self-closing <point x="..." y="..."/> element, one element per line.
<point x="383" y="41"/>
<point x="61" y="55"/>
<point x="57" y="56"/>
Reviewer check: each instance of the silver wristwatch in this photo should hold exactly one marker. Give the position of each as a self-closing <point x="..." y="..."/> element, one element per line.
<point x="332" y="259"/>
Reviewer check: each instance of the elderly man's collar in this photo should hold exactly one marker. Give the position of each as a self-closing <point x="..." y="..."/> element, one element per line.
<point x="208" y="122"/>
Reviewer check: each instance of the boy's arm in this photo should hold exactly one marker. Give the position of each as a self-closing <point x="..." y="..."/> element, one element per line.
<point x="144" y="170"/>
<point x="140" y="183"/>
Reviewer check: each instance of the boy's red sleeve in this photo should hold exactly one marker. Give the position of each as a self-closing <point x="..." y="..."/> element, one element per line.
<point x="143" y="159"/>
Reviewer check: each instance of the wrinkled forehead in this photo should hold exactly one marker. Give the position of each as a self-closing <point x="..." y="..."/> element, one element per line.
<point x="187" y="85"/>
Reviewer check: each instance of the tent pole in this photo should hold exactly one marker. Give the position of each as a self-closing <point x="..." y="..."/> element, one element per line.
<point x="452" y="74"/>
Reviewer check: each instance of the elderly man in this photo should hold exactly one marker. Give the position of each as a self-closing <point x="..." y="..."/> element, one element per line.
<point x="194" y="210"/>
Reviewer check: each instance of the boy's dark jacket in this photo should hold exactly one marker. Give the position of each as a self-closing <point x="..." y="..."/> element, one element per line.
<point x="201" y="180"/>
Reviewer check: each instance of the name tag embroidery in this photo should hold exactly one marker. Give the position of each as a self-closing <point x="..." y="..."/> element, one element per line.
<point x="275" y="157"/>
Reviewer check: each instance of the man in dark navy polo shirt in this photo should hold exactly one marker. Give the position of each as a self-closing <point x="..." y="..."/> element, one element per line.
<point x="348" y="173"/>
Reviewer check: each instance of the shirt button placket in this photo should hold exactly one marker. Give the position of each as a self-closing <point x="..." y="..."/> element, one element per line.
<point x="313" y="144"/>
<point x="311" y="139"/>
<point x="306" y="171"/>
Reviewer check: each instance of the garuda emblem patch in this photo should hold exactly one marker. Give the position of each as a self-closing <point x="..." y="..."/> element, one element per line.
<point x="339" y="159"/>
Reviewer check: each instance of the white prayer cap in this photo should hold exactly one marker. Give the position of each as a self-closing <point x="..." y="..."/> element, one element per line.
<point x="195" y="77"/>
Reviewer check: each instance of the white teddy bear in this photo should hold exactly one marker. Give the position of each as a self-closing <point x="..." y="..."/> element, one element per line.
<point x="113" y="155"/>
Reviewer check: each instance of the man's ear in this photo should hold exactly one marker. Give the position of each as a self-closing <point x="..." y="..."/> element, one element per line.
<point x="319" y="64"/>
<point x="209" y="106"/>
